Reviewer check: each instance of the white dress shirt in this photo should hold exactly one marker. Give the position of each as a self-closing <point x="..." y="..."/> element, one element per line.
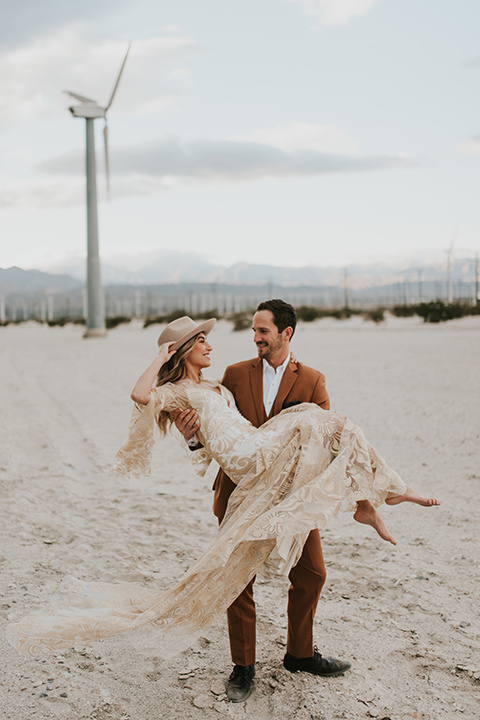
<point x="271" y="382"/>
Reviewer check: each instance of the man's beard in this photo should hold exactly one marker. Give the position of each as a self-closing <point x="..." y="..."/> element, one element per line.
<point x="265" y="352"/>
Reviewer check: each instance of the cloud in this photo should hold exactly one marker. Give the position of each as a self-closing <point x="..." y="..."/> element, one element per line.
<point x="335" y="12"/>
<point x="32" y="78"/>
<point x="42" y="193"/>
<point x="301" y="136"/>
<point x="28" y="20"/>
<point x="149" y="168"/>
<point x="473" y="62"/>
<point x="471" y="146"/>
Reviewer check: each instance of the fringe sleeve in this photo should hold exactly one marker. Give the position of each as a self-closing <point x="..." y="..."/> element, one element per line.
<point x="134" y="457"/>
<point x="200" y="459"/>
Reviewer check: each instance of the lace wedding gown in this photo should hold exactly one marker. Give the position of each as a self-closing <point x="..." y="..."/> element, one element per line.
<point x="293" y="473"/>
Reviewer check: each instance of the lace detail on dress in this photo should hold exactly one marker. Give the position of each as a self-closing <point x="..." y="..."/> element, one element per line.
<point x="293" y="474"/>
<point x="134" y="457"/>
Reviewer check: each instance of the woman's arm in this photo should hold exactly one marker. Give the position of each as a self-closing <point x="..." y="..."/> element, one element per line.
<point x="141" y="392"/>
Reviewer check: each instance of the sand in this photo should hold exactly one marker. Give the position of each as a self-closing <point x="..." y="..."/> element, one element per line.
<point x="406" y="617"/>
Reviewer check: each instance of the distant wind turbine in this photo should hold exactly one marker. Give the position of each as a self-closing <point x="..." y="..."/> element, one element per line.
<point x="449" y="267"/>
<point x="90" y="110"/>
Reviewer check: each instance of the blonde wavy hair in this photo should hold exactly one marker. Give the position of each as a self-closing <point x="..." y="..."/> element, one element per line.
<point x="173" y="371"/>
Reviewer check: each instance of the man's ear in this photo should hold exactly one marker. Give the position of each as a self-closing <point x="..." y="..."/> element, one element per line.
<point x="288" y="332"/>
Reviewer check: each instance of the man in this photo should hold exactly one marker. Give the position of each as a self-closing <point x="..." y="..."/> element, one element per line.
<point x="262" y="387"/>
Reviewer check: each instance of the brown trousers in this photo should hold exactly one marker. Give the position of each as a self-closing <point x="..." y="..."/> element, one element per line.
<point x="307" y="579"/>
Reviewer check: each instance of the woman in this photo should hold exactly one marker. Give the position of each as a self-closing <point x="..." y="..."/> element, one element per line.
<point x="182" y="362"/>
<point x="293" y="473"/>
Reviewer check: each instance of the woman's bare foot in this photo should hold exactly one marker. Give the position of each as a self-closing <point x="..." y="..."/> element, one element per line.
<point x="366" y="514"/>
<point x="412" y="495"/>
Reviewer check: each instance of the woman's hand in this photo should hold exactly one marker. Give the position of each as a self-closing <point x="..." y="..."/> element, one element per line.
<point x="165" y="353"/>
<point x="141" y="392"/>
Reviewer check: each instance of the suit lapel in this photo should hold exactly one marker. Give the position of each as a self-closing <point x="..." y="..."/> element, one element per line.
<point x="288" y="381"/>
<point x="256" y="385"/>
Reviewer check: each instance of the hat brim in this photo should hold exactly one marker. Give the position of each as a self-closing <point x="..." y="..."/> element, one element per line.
<point x="204" y="327"/>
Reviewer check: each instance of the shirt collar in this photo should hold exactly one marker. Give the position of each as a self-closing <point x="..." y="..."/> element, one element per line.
<point x="281" y="368"/>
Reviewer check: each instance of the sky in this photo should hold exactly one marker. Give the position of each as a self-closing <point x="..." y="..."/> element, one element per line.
<point x="287" y="132"/>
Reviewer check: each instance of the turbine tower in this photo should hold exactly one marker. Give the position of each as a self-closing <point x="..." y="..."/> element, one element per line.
<point x="90" y="110"/>
<point x="449" y="267"/>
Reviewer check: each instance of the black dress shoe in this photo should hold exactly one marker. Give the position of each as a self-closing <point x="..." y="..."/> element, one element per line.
<point x="317" y="665"/>
<point x="239" y="685"/>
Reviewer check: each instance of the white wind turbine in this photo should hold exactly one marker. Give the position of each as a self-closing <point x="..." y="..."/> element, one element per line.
<point x="449" y="267"/>
<point x="90" y="110"/>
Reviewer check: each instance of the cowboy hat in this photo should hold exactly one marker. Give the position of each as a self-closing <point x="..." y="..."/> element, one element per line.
<point x="182" y="329"/>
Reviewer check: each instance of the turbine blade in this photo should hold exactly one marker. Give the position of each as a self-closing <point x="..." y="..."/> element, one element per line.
<point x="107" y="162"/>
<point x="80" y="97"/>
<point x="453" y="239"/>
<point x="118" y="78"/>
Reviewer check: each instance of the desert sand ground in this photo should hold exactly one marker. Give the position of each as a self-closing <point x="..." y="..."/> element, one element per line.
<point x="407" y="617"/>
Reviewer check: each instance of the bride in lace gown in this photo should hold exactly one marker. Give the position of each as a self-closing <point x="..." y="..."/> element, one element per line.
<point x="293" y="474"/>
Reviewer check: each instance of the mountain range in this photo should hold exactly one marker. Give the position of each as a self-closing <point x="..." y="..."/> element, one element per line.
<point x="176" y="268"/>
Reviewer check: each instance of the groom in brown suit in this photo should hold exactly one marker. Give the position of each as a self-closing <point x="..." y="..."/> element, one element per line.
<point x="262" y="387"/>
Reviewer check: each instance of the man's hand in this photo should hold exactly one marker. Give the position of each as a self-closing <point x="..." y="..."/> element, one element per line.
<point x="187" y="423"/>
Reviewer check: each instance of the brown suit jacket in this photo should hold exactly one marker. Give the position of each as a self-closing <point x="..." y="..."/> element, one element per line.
<point x="245" y="380"/>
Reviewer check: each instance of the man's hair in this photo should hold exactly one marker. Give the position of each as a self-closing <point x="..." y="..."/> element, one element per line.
<point x="283" y="314"/>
